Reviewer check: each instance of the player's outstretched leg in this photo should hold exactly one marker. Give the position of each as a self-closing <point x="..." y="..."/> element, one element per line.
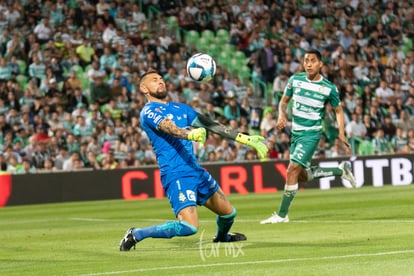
<point x="343" y="170"/>
<point x="166" y="230"/>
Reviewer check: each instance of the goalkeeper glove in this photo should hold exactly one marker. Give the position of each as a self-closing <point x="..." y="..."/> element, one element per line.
<point x="197" y="135"/>
<point x="254" y="141"/>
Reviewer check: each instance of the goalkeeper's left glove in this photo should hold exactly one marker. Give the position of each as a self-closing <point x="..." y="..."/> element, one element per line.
<point x="254" y="141"/>
<point x="197" y="135"/>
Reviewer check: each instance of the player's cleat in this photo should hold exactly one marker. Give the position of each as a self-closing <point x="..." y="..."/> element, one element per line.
<point x="234" y="237"/>
<point x="128" y="241"/>
<point x="347" y="173"/>
<point x="275" y="218"/>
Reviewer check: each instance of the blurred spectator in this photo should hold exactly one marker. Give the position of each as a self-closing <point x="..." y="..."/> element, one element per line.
<point x="40" y="154"/>
<point x="279" y="84"/>
<point x="404" y="122"/>
<point x="77" y="98"/>
<point x="5" y="70"/>
<point x="388" y="127"/>
<point x="37" y="70"/>
<point x="73" y="162"/>
<point x="399" y="141"/>
<point x="43" y="30"/>
<point x="355" y="129"/>
<point x="100" y="91"/>
<point x="380" y="144"/>
<point x="267" y="124"/>
<point x="266" y="62"/>
<point x="231" y="109"/>
<point x="95" y="72"/>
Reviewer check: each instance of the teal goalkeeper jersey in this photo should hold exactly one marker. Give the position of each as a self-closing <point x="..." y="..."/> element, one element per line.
<point x="309" y="101"/>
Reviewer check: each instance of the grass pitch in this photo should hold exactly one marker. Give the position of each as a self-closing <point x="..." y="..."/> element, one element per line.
<point x="367" y="231"/>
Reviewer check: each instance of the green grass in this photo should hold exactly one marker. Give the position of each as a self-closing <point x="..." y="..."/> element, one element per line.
<point x="367" y="231"/>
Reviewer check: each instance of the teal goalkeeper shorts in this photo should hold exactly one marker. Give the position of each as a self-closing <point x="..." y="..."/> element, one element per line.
<point x="303" y="146"/>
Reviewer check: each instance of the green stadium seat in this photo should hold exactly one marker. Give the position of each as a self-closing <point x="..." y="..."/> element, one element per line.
<point x="208" y="35"/>
<point x="317" y="24"/>
<point x="365" y="148"/>
<point x="229" y="48"/>
<point x="87" y="68"/>
<point x="22" y="66"/>
<point x="85" y="80"/>
<point x="239" y="54"/>
<point x="407" y="46"/>
<point x="173" y="28"/>
<point x="244" y="73"/>
<point x="213" y="50"/>
<point x="22" y="80"/>
<point x="203" y="44"/>
<point x="191" y="37"/>
<point x="78" y="69"/>
<point x="224" y="59"/>
<point x="223" y="35"/>
<point x="359" y="90"/>
<point x="172" y="21"/>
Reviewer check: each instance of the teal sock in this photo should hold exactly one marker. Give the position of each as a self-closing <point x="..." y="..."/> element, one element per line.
<point x="224" y="224"/>
<point x="166" y="230"/>
<point x="288" y="196"/>
<point x="317" y="172"/>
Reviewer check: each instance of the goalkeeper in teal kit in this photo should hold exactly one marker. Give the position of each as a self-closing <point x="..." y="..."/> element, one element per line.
<point x="172" y="128"/>
<point x="310" y="93"/>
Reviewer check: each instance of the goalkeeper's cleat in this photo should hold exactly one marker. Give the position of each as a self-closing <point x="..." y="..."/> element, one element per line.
<point x="275" y="218"/>
<point x="347" y="173"/>
<point x="233" y="237"/>
<point x="128" y="241"/>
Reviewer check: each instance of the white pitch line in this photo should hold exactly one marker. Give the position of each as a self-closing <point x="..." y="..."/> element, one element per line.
<point x="89" y="219"/>
<point x="253" y="262"/>
<point x="258" y="220"/>
<point x="305" y="221"/>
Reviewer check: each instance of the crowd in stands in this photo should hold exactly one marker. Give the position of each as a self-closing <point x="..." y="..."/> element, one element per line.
<point x="69" y="75"/>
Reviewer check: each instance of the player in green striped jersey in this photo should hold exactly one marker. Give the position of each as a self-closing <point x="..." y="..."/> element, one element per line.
<point x="310" y="93"/>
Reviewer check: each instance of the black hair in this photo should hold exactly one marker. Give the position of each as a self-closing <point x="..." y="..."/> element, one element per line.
<point x="150" y="71"/>
<point x="315" y="52"/>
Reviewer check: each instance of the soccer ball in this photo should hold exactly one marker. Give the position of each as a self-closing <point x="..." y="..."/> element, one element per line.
<point x="201" y="67"/>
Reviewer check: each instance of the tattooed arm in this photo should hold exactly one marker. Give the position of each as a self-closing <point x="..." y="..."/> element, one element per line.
<point x="168" y="126"/>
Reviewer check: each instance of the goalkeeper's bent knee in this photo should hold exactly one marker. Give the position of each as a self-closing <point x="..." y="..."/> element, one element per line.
<point x="230" y="216"/>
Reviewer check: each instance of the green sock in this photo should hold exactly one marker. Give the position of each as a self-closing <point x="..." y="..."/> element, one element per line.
<point x="288" y="195"/>
<point x="317" y="172"/>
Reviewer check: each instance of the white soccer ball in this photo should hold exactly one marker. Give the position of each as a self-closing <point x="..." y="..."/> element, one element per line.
<point x="201" y="67"/>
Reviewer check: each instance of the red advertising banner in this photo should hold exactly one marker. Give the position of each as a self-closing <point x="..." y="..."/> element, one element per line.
<point x="5" y="188"/>
<point x="144" y="183"/>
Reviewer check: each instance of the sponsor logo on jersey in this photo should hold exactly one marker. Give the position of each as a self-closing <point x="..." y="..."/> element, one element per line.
<point x="152" y="115"/>
<point x="191" y="195"/>
<point x="312" y="87"/>
<point x="181" y="197"/>
<point x="322" y="174"/>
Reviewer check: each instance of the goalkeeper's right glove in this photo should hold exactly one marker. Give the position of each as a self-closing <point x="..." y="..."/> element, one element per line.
<point x="197" y="135"/>
<point x="254" y="141"/>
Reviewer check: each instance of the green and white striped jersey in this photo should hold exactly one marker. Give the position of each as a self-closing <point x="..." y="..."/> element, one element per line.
<point x="309" y="100"/>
